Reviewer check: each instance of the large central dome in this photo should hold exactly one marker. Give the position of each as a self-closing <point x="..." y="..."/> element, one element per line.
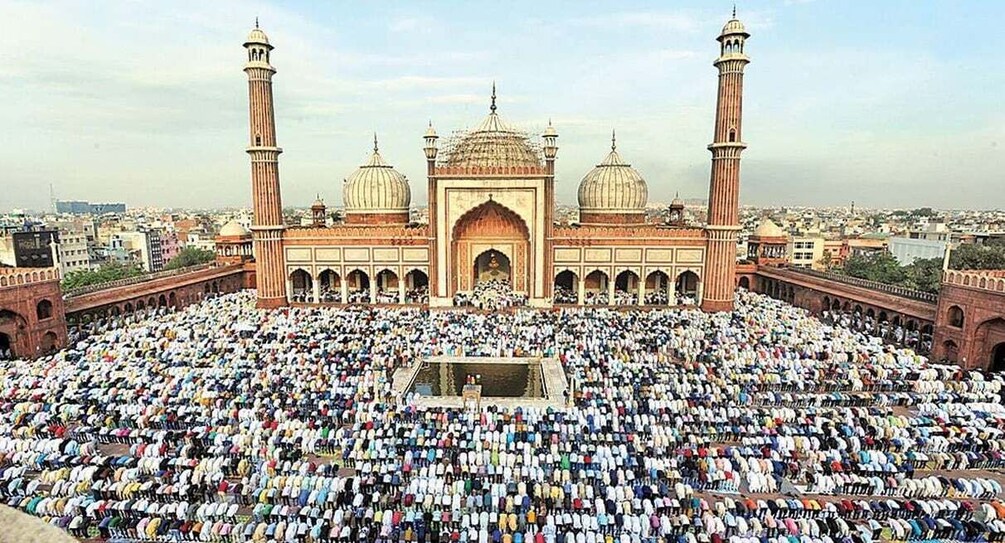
<point x="492" y="144"/>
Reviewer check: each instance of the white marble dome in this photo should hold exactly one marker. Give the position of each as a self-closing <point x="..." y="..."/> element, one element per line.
<point x="733" y="26"/>
<point x="233" y="229"/>
<point x="613" y="186"/>
<point x="257" y="36"/>
<point x="768" y="229"/>
<point x="376" y="187"/>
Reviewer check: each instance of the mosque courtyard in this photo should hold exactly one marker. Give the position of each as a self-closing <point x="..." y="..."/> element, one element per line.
<point x="222" y="422"/>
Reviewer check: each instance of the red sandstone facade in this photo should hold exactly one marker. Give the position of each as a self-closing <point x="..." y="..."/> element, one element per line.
<point x="32" y="318"/>
<point x="970" y="323"/>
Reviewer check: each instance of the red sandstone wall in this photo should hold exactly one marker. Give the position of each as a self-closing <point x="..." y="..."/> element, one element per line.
<point x="376" y="218"/>
<point x="588" y="218"/>
<point x="983" y="326"/>
<point x="28" y="332"/>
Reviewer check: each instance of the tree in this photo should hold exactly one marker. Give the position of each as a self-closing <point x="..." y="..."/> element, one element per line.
<point x="879" y="266"/>
<point x="969" y="256"/>
<point x="924" y="274"/>
<point x="826" y="261"/>
<point x="111" y="271"/>
<point x="190" y="256"/>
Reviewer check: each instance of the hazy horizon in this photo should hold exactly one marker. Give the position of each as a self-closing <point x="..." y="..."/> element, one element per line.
<point x="892" y="105"/>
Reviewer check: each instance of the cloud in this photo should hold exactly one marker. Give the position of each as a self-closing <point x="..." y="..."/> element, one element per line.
<point x="658" y="20"/>
<point x="418" y="82"/>
<point x="422" y="24"/>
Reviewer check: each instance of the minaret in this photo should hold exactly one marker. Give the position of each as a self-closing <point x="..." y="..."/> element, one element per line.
<point x="724" y="188"/>
<point x="267" y="226"/>
<point x="550" y="137"/>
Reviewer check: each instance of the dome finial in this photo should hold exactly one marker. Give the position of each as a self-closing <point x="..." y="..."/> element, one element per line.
<point x="374" y="142"/>
<point x="256" y="22"/>
<point x="493" y="106"/>
<point x="734" y="10"/>
<point x="614" y="141"/>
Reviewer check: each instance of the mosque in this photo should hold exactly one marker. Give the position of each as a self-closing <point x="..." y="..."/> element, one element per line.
<point x="491" y="206"/>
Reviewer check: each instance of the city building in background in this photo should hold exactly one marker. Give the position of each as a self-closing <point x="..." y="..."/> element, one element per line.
<point x="806" y="251"/>
<point x="80" y="207"/>
<point x="30" y="249"/>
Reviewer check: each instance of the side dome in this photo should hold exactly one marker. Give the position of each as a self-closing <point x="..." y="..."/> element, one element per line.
<point x="613" y="192"/>
<point x="768" y="229"/>
<point x="492" y="144"/>
<point x="233" y="229"/>
<point x="376" y="193"/>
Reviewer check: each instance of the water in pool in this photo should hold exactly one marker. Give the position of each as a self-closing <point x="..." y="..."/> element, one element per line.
<point x="501" y="380"/>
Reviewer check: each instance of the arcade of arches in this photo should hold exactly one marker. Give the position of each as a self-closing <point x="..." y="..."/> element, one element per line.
<point x="895" y="323"/>
<point x="596" y="288"/>
<point x="385" y="286"/>
<point x="126" y="301"/>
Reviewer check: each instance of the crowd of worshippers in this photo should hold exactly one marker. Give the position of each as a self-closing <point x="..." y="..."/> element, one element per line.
<point x="892" y="332"/>
<point x="221" y="422"/>
<point x="491" y="295"/>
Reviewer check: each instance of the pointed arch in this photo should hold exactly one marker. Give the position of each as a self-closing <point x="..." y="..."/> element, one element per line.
<point x="489" y="226"/>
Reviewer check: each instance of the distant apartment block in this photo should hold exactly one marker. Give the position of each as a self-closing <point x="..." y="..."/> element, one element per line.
<point x="80" y="207"/>
<point x="907" y="250"/>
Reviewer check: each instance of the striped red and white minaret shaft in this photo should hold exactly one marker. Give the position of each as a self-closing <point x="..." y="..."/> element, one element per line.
<point x="267" y="226"/>
<point x="724" y="186"/>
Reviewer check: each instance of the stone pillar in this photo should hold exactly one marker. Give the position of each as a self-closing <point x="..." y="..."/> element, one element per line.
<point x="373" y="291"/>
<point x="345" y="290"/>
<point x="316" y="287"/>
<point x="401" y="291"/>
<point x="642" y="289"/>
<point x="581" y="293"/>
<point x="289" y="289"/>
<point x="700" y="294"/>
<point x="610" y="289"/>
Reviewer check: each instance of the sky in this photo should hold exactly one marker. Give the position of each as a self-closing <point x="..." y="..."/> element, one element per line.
<point x="893" y="103"/>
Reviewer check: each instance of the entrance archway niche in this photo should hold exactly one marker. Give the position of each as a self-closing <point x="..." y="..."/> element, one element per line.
<point x="989" y="344"/>
<point x="12" y="327"/>
<point x="745" y="283"/>
<point x="658" y="288"/>
<point x="387" y="286"/>
<point x="302" y="284"/>
<point x="627" y="283"/>
<point x="687" y="284"/>
<point x="486" y="230"/>
<point x="416" y="287"/>
<point x="358" y="280"/>
<point x="566" y="284"/>
<point x="6" y="347"/>
<point x="330" y="286"/>
<point x="998" y="357"/>
<point x="492" y="265"/>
